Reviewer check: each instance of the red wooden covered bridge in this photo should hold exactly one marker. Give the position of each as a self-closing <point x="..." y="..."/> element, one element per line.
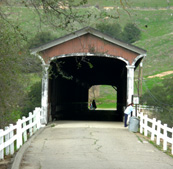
<point x="77" y="61"/>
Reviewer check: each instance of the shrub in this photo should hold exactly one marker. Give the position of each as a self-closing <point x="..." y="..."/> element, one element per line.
<point x="131" y="33"/>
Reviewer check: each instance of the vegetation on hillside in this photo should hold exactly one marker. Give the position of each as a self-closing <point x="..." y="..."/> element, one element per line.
<point x="11" y="57"/>
<point x="129" y="34"/>
<point x="160" y="96"/>
<point x="23" y="22"/>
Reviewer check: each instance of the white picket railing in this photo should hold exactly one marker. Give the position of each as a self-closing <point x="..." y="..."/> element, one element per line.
<point x="157" y="130"/>
<point x="14" y="136"/>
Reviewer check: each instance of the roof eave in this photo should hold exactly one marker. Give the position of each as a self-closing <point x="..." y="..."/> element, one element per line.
<point x="84" y="31"/>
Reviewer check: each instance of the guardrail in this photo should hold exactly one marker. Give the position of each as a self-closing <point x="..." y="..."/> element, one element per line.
<point x="157" y="130"/>
<point x="14" y="136"/>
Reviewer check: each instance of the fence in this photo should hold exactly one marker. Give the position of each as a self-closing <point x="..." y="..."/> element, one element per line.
<point x="14" y="136"/>
<point x="157" y="130"/>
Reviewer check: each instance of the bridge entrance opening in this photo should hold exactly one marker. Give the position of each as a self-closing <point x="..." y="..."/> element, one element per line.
<point x="69" y="85"/>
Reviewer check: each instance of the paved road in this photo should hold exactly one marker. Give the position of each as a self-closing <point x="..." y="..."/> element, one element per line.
<point x="92" y="145"/>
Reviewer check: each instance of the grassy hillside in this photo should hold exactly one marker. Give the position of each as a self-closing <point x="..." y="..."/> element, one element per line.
<point x="154" y="18"/>
<point x="107" y="98"/>
<point x="133" y="3"/>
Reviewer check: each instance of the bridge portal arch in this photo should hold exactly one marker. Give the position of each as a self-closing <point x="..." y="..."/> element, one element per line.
<point x="79" y="60"/>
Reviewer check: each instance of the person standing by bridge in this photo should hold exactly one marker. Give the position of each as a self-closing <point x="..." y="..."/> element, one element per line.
<point x="94" y="104"/>
<point x="127" y="112"/>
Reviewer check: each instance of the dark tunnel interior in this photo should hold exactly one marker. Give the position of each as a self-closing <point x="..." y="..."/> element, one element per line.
<point x="70" y="80"/>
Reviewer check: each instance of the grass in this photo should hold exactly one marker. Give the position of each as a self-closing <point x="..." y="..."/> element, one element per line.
<point x="134" y="3"/>
<point x="107" y="98"/>
<point x="159" y="147"/>
<point x="156" y="37"/>
<point x="52" y="125"/>
<point x="156" y="26"/>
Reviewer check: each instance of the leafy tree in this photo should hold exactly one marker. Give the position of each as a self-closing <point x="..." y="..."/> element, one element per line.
<point x="113" y="29"/>
<point x="32" y="63"/>
<point x="32" y="99"/>
<point x="11" y="81"/>
<point x="131" y="33"/>
<point x="40" y="39"/>
<point x="161" y="96"/>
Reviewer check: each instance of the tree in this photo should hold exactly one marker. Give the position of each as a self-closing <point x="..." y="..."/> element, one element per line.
<point x="32" y="99"/>
<point x="131" y="33"/>
<point x="161" y="96"/>
<point x="112" y="29"/>
<point x="40" y="39"/>
<point x="32" y="63"/>
<point x="11" y="86"/>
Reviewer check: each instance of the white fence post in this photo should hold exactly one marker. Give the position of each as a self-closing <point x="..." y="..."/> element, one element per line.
<point x="7" y="150"/>
<point x="34" y="120"/>
<point x="153" y="129"/>
<point x="25" y="132"/>
<point x="11" y="136"/>
<point x="1" y="144"/>
<point x="30" y="122"/>
<point x="141" y="122"/>
<point x="165" y="137"/>
<point x="145" y="125"/>
<point x="38" y="117"/>
<point x="158" y="132"/>
<point x="19" y="134"/>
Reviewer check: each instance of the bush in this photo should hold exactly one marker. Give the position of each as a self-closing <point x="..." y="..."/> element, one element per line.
<point x="40" y="39"/>
<point x="131" y="33"/>
<point x="161" y="96"/>
<point x="113" y="30"/>
<point x="32" y="99"/>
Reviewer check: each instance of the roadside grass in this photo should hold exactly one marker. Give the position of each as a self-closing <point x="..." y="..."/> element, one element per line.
<point x="141" y="137"/>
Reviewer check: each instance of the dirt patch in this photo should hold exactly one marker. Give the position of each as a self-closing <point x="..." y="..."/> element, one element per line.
<point x="4" y="164"/>
<point x="161" y="74"/>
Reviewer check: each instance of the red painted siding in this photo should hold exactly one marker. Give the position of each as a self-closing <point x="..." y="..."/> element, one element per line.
<point x="88" y="44"/>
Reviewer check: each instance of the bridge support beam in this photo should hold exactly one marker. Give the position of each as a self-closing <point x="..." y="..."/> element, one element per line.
<point x="130" y="83"/>
<point x="44" y="98"/>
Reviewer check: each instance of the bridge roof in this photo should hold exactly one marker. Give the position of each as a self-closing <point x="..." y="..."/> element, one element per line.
<point x="91" y="31"/>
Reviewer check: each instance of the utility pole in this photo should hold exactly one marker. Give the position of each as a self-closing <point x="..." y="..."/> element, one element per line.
<point x="141" y="78"/>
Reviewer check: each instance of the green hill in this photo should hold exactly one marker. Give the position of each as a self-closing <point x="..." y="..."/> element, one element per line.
<point x="154" y="19"/>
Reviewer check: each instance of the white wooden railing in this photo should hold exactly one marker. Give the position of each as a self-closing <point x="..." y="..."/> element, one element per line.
<point x="14" y="136"/>
<point x="157" y="130"/>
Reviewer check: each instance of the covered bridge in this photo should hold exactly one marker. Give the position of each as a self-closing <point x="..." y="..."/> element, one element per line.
<point x="77" y="61"/>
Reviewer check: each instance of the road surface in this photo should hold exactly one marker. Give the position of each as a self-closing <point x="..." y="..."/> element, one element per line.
<point x="92" y="145"/>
